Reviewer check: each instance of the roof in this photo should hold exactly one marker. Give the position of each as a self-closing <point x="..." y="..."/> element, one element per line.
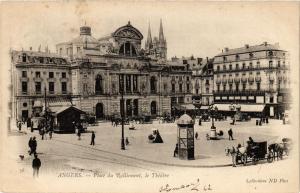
<point x="185" y="119"/>
<point x="85" y="39"/>
<point x="58" y="110"/>
<point x="40" y="54"/>
<point x="255" y="48"/>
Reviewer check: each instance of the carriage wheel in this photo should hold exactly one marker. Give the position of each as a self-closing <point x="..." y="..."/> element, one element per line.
<point x="254" y="160"/>
<point x="280" y="154"/>
<point x="244" y="159"/>
<point x="270" y="157"/>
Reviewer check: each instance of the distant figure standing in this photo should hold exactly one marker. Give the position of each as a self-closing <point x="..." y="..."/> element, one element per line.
<point x="196" y="135"/>
<point x="33" y="146"/>
<point x="79" y="134"/>
<point x="267" y="120"/>
<point x="230" y="134"/>
<point x="36" y="164"/>
<point x="20" y="125"/>
<point x="200" y="121"/>
<point x="30" y="145"/>
<point x="93" y="138"/>
<point x="175" y="150"/>
<point x="50" y="134"/>
<point x="126" y="141"/>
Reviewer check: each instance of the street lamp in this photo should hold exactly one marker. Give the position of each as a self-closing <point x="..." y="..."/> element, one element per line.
<point x="122" y="115"/>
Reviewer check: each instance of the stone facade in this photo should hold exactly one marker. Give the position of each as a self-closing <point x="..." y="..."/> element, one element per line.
<point x="92" y="74"/>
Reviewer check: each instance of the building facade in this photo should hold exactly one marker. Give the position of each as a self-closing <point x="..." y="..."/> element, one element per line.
<point x="92" y="74"/>
<point x="256" y="74"/>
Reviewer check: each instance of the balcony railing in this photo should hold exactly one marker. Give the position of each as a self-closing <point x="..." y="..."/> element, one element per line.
<point x="246" y="92"/>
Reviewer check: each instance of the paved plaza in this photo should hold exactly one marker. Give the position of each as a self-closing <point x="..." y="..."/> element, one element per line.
<point x="66" y="151"/>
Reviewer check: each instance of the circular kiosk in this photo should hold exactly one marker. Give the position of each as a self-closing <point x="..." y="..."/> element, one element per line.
<point x="185" y="137"/>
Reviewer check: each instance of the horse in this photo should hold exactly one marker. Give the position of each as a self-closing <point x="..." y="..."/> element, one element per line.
<point x="277" y="150"/>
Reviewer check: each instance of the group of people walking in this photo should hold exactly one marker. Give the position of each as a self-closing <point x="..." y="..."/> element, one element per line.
<point x="36" y="162"/>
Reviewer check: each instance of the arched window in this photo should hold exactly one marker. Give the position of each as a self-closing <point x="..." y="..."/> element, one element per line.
<point x="153" y="84"/>
<point x="127" y="49"/>
<point x="153" y="108"/>
<point x="98" y="85"/>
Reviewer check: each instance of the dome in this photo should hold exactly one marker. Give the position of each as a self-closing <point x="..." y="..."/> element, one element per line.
<point x="185" y="119"/>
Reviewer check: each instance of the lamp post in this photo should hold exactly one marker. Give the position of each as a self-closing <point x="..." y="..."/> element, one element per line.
<point x="122" y="115"/>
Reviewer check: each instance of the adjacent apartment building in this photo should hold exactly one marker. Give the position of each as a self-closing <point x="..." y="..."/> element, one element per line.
<point x="254" y="77"/>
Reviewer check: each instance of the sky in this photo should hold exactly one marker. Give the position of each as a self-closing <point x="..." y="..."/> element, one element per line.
<point x="201" y="29"/>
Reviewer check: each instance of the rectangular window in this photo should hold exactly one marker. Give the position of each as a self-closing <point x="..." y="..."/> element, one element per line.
<point x="51" y="87"/>
<point x="24" y="74"/>
<point x="135" y="83"/>
<point x="278" y="64"/>
<point x="197" y="91"/>
<point x="180" y="87"/>
<point x="244" y="87"/>
<point x="24" y="87"/>
<point x="63" y="75"/>
<point x="230" y="67"/>
<point x="188" y="88"/>
<point x="244" y="65"/>
<point x="128" y="83"/>
<point x="207" y="89"/>
<point x="24" y="58"/>
<point x="51" y="75"/>
<point x="38" y="74"/>
<point x="78" y="49"/>
<point x="236" y="66"/>
<point x="173" y="88"/>
<point x="224" y="87"/>
<point x="270" y="64"/>
<point x="64" y="87"/>
<point x="237" y="86"/>
<point x="258" y="85"/>
<point x="38" y="88"/>
<point x="218" y="88"/>
<point x="121" y="83"/>
<point x="230" y="87"/>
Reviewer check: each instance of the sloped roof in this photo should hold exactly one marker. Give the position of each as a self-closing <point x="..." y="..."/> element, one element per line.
<point x="254" y="48"/>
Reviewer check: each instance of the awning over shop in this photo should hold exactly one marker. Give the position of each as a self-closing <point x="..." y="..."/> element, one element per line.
<point x="58" y="102"/>
<point x="244" y="107"/>
<point x="185" y="107"/>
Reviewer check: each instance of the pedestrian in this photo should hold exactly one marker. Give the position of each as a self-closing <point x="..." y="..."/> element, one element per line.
<point x="20" y="125"/>
<point x="79" y="134"/>
<point x="36" y="164"/>
<point x="33" y="146"/>
<point x="175" y="150"/>
<point x="267" y="120"/>
<point x="50" y="134"/>
<point x="196" y="135"/>
<point x="42" y="133"/>
<point x="93" y="138"/>
<point x="126" y="141"/>
<point x="234" y="156"/>
<point x="230" y="134"/>
<point x="200" y="121"/>
<point x="30" y="145"/>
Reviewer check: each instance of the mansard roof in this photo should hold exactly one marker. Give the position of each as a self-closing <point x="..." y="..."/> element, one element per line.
<point x="246" y="49"/>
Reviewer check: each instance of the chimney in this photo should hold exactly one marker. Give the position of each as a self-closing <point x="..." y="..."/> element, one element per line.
<point x="247" y="46"/>
<point x="226" y="49"/>
<point x="265" y="43"/>
<point x="30" y="48"/>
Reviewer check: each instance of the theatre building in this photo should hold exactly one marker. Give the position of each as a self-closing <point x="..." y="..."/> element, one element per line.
<point x="92" y="74"/>
<point x="254" y="77"/>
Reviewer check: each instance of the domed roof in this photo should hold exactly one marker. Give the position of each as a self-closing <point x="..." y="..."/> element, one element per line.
<point x="185" y="119"/>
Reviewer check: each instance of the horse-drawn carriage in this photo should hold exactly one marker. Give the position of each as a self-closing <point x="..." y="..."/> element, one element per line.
<point x="253" y="153"/>
<point x="256" y="151"/>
